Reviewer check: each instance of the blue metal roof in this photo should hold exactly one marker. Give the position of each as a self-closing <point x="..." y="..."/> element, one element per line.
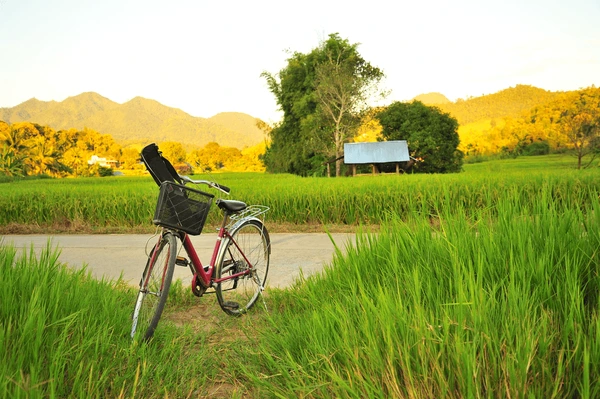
<point x="378" y="152"/>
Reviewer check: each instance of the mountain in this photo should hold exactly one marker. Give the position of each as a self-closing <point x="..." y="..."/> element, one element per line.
<point x="511" y="102"/>
<point x="432" y="98"/>
<point x="139" y="120"/>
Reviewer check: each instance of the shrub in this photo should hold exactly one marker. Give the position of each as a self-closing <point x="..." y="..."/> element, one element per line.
<point x="537" y="148"/>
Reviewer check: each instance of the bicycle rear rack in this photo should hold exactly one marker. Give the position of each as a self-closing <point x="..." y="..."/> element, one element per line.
<point x="252" y="211"/>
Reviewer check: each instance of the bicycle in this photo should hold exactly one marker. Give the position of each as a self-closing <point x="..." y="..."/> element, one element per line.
<point x="239" y="264"/>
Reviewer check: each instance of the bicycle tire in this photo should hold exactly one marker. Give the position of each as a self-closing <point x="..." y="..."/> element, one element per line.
<point x="238" y="295"/>
<point x="154" y="287"/>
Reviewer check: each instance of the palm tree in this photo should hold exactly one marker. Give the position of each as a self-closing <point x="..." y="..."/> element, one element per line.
<point x="14" y="139"/>
<point x="10" y="163"/>
<point x="75" y="158"/>
<point x="43" y="157"/>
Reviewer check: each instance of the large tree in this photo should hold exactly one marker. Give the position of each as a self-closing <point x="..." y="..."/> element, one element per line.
<point x="321" y="95"/>
<point x="580" y="122"/>
<point x="432" y="135"/>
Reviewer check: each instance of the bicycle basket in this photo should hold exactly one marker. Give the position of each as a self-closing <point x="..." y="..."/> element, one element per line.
<point x="182" y="208"/>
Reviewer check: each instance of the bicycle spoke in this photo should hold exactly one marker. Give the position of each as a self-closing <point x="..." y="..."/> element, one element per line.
<point x="247" y="252"/>
<point x="152" y="297"/>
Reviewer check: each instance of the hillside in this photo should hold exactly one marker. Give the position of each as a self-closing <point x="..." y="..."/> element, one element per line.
<point x="483" y="120"/>
<point x="432" y="98"/>
<point x="238" y="122"/>
<point x="511" y="102"/>
<point x="139" y="120"/>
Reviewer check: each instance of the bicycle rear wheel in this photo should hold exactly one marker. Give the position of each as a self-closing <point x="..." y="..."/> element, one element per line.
<point x="252" y="252"/>
<point x="154" y="287"/>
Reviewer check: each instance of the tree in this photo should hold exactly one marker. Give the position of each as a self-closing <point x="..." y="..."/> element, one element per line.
<point x="214" y="157"/>
<point x="130" y="158"/>
<point x="13" y="151"/>
<point x="17" y="135"/>
<point x="344" y="82"/>
<point x="95" y="143"/>
<point x="43" y="158"/>
<point x="5" y="127"/>
<point x="251" y="158"/>
<point x="10" y="163"/>
<point x="580" y="121"/>
<point x="173" y="151"/>
<point x="76" y="159"/>
<point x="321" y="95"/>
<point x="287" y="151"/>
<point x="431" y="135"/>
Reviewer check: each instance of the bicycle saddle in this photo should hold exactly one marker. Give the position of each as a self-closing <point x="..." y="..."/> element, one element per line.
<point x="231" y="206"/>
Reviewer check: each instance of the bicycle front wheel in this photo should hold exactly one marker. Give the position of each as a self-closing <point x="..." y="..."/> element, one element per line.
<point x="248" y="251"/>
<point x="154" y="287"/>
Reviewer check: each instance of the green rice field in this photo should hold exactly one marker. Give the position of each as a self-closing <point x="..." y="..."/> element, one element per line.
<point x="483" y="284"/>
<point x="125" y="203"/>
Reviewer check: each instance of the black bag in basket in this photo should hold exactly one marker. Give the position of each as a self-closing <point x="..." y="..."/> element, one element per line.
<point x="159" y="167"/>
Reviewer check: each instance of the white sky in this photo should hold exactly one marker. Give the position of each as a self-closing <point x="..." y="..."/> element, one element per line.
<point x="206" y="57"/>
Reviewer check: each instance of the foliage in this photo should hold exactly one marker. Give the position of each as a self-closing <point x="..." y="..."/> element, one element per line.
<point x="11" y="164"/>
<point x="571" y="121"/>
<point x="487" y="123"/>
<point x="431" y="135"/>
<point x="30" y="149"/>
<point x="213" y="157"/>
<point x="321" y="95"/>
<point x="173" y="151"/>
<point x="580" y="122"/>
<point x="554" y="120"/>
<point x="104" y="172"/>
<point x="344" y="82"/>
<point x="130" y="159"/>
<point x="536" y="148"/>
<point x="250" y="161"/>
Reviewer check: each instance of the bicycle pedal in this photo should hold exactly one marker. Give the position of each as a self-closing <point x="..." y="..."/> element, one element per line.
<point x="181" y="261"/>
<point x="231" y="305"/>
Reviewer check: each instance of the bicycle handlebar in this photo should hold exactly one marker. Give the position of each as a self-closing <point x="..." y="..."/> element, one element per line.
<point x="221" y="187"/>
<point x="209" y="183"/>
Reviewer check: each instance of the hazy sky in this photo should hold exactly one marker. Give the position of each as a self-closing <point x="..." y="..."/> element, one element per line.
<point x="206" y="57"/>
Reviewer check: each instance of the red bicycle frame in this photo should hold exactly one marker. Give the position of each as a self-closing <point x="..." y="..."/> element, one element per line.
<point x="204" y="277"/>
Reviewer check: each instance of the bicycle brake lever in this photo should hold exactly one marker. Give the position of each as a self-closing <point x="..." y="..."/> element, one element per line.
<point x="222" y="188"/>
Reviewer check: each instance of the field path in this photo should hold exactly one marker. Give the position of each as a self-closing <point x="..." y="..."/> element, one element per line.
<point x="110" y="255"/>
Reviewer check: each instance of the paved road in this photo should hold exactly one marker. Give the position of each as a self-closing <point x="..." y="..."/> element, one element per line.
<point x="112" y="255"/>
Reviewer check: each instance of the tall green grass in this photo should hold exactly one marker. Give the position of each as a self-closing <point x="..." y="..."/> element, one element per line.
<point x="482" y="284"/>
<point x="127" y="202"/>
<point x="65" y="335"/>
<point x="477" y="307"/>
